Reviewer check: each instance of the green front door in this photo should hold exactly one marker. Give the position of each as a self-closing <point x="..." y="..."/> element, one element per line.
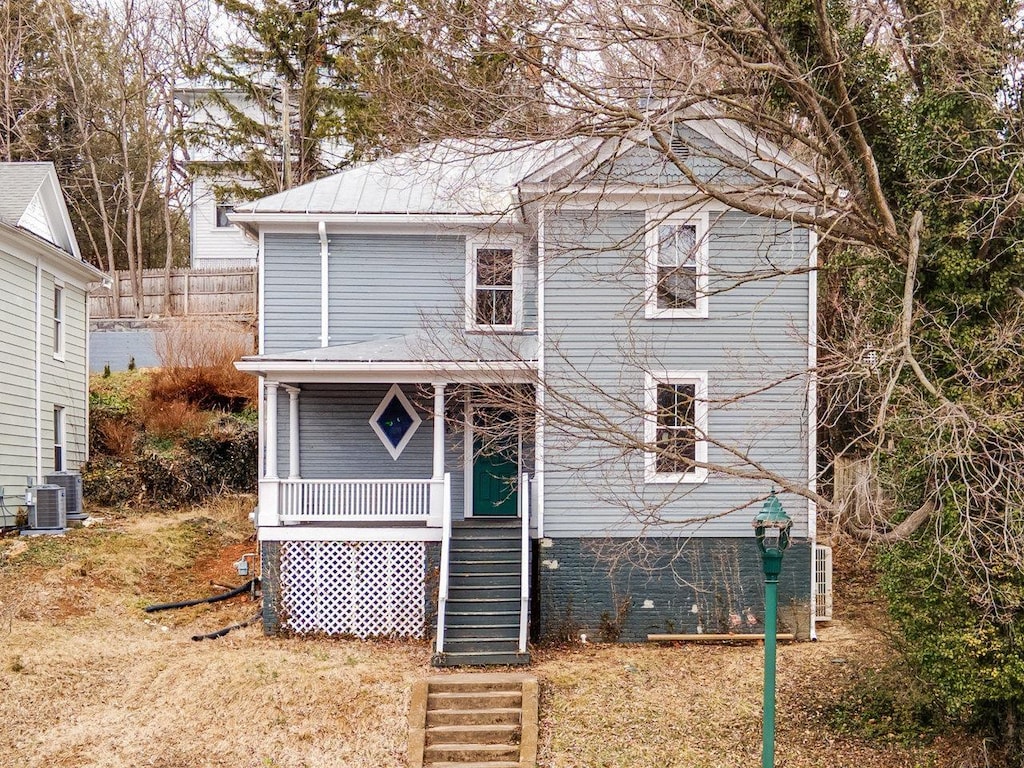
<point x="495" y="466"/>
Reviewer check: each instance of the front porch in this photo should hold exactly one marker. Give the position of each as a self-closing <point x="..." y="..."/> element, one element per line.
<point x="367" y="478"/>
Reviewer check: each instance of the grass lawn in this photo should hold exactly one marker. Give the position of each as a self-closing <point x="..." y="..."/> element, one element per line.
<point x="87" y="678"/>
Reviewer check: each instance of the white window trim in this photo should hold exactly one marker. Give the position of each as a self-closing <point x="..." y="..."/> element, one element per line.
<point x="698" y="219"/>
<point x="395" y="450"/>
<point x="216" y="210"/>
<point x="651" y="382"/>
<point x="60" y="424"/>
<point x="518" y="269"/>
<point x="60" y="320"/>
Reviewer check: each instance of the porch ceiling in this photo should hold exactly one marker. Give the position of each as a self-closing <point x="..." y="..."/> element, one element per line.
<point x="420" y="356"/>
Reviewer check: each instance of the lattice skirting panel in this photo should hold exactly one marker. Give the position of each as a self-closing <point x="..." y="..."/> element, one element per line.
<point x="359" y="588"/>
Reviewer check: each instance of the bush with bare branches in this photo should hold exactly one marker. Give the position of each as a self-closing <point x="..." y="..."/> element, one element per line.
<point x="197" y="365"/>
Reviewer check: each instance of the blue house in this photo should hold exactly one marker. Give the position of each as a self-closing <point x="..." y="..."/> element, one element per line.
<point x="532" y="391"/>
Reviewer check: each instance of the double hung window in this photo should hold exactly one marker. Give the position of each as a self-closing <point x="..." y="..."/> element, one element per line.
<point x="677" y="267"/>
<point x="494" y="287"/>
<point x="676" y="427"/>
<point x="58" y="322"/>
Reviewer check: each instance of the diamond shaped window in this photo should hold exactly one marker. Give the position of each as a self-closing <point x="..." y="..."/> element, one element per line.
<point x="395" y="421"/>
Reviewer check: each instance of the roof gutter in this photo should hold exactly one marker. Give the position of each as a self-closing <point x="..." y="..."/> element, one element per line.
<point x="78" y="268"/>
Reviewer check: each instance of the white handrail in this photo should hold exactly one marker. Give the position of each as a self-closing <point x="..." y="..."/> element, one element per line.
<point x="524" y="594"/>
<point x="446" y="546"/>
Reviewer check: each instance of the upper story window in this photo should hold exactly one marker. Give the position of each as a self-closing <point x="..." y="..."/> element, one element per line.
<point x="677" y="267"/>
<point x="58" y="321"/>
<point x="223" y="209"/>
<point x="494" y="286"/>
<point x="676" y="421"/>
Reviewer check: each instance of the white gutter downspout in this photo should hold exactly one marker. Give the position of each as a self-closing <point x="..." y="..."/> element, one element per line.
<point x="324" y="286"/>
<point x="812" y="417"/>
<point x="538" y="480"/>
<point x="39" y="371"/>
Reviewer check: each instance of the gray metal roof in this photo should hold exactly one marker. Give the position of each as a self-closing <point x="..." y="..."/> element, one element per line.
<point x="20" y="182"/>
<point x="424" y="346"/>
<point x="452" y="177"/>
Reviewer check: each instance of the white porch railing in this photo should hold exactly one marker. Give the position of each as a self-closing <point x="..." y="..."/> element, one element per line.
<point x="302" y="501"/>
<point x="524" y="594"/>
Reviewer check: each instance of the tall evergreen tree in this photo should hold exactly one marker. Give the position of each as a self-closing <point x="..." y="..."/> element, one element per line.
<point x="287" y="89"/>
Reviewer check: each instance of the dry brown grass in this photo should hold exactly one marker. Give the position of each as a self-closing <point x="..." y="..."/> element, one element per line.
<point x="173" y="418"/>
<point x="197" y="360"/>
<point x="116" y="438"/>
<point x="89" y="679"/>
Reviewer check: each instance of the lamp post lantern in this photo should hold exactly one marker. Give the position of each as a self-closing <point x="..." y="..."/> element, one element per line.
<point x="771" y="529"/>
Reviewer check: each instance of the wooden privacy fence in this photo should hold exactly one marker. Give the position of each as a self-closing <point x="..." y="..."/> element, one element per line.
<point x="224" y="292"/>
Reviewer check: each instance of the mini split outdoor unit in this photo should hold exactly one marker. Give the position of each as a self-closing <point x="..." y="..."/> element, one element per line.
<point x="47" y="509"/>
<point x="71" y="482"/>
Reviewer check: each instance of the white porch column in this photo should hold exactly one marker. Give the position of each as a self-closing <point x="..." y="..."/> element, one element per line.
<point x="270" y="472"/>
<point x="293" y="433"/>
<point x="437" y="486"/>
<point x="438" y="431"/>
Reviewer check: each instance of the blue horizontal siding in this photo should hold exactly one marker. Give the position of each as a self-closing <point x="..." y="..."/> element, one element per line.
<point x="598" y="346"/>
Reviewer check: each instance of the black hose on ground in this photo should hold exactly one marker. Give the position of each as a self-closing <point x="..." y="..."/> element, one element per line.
<point x="216" y="598"/>
<point x="225" y="630"/>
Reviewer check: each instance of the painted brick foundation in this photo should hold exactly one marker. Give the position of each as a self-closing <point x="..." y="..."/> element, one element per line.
<point x="624" y="590"/>
<point x="270" y="585"/>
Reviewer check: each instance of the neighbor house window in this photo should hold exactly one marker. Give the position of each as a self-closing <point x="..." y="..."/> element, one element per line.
<point x="677" y="267"/>
<point x="58" y="321"/>
<point x="58" y="438"/>
<point x="494" y="287"/>
<point x="676" y="427"/>
<point x="223" y="209"/>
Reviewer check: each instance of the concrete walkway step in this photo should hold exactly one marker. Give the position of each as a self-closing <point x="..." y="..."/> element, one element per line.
<point x="474" y="720"/>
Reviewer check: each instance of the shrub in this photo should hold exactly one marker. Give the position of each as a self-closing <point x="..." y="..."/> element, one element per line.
<point x="113" y="437"/>
<point x="110" y="482"/>
<point x="197" y="359"/>
<point x="173" y="418"/>
<point x="969" y="653"/>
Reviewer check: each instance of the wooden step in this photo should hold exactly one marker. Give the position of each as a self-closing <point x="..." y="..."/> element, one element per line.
<point x="488" y="592"/>
<point x="491" y="716"/>
<point x="482" y="659"/>
<point x="461" y="605"/>
<point x="464" y="752"/>
<point x="502" y="629"/>
<point x="481" y="733"/>
<point x="474" y="699"/>
<point x="476" y="682"/>
<point x="482" y="644"/>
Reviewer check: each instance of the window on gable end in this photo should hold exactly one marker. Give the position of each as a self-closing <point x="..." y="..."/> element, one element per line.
<point x="677" y="267"/>
<point x="676" y="427"/>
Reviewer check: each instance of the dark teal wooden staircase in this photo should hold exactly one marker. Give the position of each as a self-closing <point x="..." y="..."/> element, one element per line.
<point x="482" y="618"/>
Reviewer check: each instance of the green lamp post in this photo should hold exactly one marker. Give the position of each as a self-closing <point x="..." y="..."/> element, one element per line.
<point x="771" y="528"/>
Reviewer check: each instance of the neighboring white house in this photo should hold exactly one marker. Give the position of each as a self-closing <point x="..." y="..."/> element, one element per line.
<point x="215" y="242"/>
<point x="43" y="341"/>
